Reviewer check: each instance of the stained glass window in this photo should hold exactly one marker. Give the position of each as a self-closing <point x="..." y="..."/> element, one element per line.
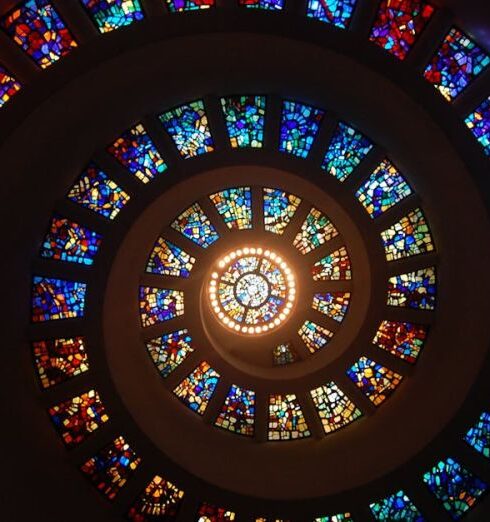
<point x="158" y="304"/>
<point x="407" y="237"/>
<point x="238" y="412"/>
<point x="170" y="260"/>
<point x="384" y="188"/>
<point x="54" y="299"/>
<point x="188" y="127"/>
<point x="39" y="30"/>
<point x="414" y="289"/>
<point x="244" y="117"/>
<point x="457" y="62"/>
<point x="316" y="230"/>
<point x="347" y="149"/>
<point x="479" y="124"/>
<point x="334" y="407"/>
<point x="95" y="191"/>
<point x="345" y="517"/>
<point x="478" y="436"/>
<point x="399" y="23"/>
<point x="160" y="500"/>
<point x="209" y="513"/>
<point x="177" y="6"/>
<point x="299" y="126"/>
<point x="170" y="350"/>
<point x="76" y="418"/>
<point x="58" y="360"/>
<point x="335" y="12"/>
<point x="9" y="86"/>
<point x="375" y="381"/>
<point x="263" y="4"/>
<point x="396" y="507"/>
<point x="455" y="486"/>
<point x="286" y="419"/>
<point x="334" y="267"/>
<point x="401" y="339"/>
<point x="196" y="390"/>
<point x="113" y="14"/>
<point x="314" y="336"/>
<point x="333" y="304"/>
<point x="195" y="225"/>
<point x="279" y="208"/>
<point x="234" y="205"/>
<point x="111" y="467"/>
<point x="69" y="241"/>
<point x="284" y="354"/>
<point x="135" y="150"/>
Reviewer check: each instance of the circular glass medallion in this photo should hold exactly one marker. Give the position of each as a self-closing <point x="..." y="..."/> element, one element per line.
<point x="252" y="291"/>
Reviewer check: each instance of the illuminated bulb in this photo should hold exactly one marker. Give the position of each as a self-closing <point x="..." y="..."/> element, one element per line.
<point x="220" y="314"/>
<point x="259" y="251"/>
<point x="227" y="259"/>
<point x="246" y="251"/>
<point x="231" y="324"/>
<point x="258" y="329"/>
<point x="233" y="255"/>
<point x="221" y="264"/>
<point x="284" y="267"/>
<point x="277" y="321"/>
<point x="239" y="253"/>
<point x="253" y="251"/>
<point x="272" y="256"/>
<point x="237" y="327"/>
<point x="282" y="316"/>
<point x="267" y="253"/>
<point x="226" y="320"/>
<point x="214" y="302"/>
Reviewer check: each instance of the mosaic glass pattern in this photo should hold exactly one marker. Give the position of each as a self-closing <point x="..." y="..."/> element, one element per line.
<point x="238" y="412"/>
<point x="95" y="191"/>
<point x="188" y="126"/>
<point x="271" y="5"/>
<point x="159" y="304"/>
<point x="479" y="124"/>
<point x="314" y="336"/>
<point x="286" y="419"/>
<point x="401" y="339"/>
<point x="396" y="507"/>
<point x="409" y="236"/>
<point x="316" y="230"/>
<point x="38" y="29"/>
<point x="375" y="381"/>
<point x="170" y="350"/>
<point x="178" y="6"/>
<point x="169" y="260"/>
<point x="209" y="513"/>
<point x="58" y="360"/>
<point x="334" y="267"/>
<point x="279" y="209"/>
<point x="9" y="86"/>
<point x="111" y="467"/>
<point x="78" y="417"/>
<point x="300" y="124"/>
<point x="345" y="517"/>
<point x="332" y="304"/>
<point x="348" y="147"/>
<point x="457" y="62"/>
<point x="399" y="23"/>
<point x="478" y="436"/>
<point x="335" y="12"/>
<point x="109" y="15"/>
<point x="54" y="299"/>
<point x="283" y="354"/>
<point x="252" y="290"/>
<point x="455" y="486"/>
<point x="195" y="225"/>
<point x="234" y="205"/>
<point x="135" y="150"/>
<point x="245" y="116"/>
<point x="69" y="241"/>
<point x="384" y="188"/>
<point x="414" y="289"/>
<point x="335" y="409"/>
<point x="161" y="500"/>
<point x="196" y="390"/>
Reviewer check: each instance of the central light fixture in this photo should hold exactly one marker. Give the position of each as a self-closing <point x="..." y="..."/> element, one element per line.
<point x="252" y="290"/>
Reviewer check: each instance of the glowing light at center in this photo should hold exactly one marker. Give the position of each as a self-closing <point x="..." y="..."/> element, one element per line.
<point x="252" y="290"/>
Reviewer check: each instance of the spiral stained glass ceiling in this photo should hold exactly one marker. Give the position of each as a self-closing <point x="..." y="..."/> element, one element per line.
<point x="337" y="324"/>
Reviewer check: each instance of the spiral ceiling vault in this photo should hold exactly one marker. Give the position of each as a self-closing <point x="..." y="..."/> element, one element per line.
<point x="249" y="269"/>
